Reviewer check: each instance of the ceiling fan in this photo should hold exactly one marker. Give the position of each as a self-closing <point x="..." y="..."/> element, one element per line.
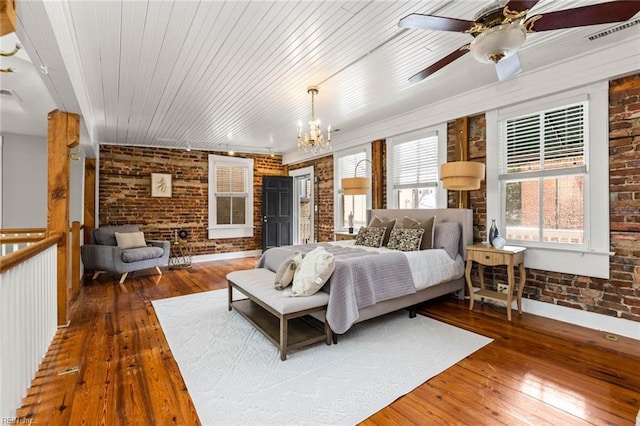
<point x="499" y="30"/>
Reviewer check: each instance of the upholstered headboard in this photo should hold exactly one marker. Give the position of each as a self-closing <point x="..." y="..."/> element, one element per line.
<point x="463" y="216"/>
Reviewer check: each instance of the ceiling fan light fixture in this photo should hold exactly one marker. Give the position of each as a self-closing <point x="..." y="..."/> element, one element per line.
<point x="499" y="42"/>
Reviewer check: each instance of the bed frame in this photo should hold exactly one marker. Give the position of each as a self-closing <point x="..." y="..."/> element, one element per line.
<point x="462" y="216"/>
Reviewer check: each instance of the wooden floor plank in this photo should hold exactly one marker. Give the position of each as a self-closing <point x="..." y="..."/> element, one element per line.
<point x="536" y="371"/>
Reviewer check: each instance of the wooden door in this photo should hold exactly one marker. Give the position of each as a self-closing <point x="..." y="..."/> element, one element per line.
<point x="277" y="211"/>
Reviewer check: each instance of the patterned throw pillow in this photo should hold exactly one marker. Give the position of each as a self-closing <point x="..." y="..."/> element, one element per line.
<point x="376" y="222"/>
<point x="370" y="237"/>
<point x="427" y="225"/>
<point x="405" y="239"/>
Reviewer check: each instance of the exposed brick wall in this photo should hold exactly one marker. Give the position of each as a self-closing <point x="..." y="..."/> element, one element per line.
<point x="125" y="195"/>
<point x="323" y="172"/>
<point x="620" y="295"/>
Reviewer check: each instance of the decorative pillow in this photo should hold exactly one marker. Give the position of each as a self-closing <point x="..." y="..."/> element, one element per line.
<point x="128" y="240"/>
<point x="405" y="239"/>
<point x="370" y="237"/>
<point x="427" y="225"/>
<point x="447" y="236"/>
<point x="376" y="222"/>
<point x="286" y="271"/>
<point x="314" y="270"/>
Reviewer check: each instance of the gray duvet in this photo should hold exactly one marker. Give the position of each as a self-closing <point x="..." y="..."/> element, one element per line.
<point x="361" y="278"/>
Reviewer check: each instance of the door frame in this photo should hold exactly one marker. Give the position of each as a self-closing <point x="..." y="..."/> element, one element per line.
<point x="296" y="213"/>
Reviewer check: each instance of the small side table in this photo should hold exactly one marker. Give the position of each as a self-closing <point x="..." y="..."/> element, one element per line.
<point x="180" y="256"/>
<point x="341" y="235"/>
<point x="486" y="255"/>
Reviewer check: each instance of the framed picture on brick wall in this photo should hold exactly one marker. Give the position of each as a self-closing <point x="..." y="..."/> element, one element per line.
<point x="160" y="185"/>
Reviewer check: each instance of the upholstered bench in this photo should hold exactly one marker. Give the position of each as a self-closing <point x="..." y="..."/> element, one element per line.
<point x="285" y="321"/>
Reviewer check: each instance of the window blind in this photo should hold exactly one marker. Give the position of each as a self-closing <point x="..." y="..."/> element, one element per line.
<point x="347" y="165"/>
<point x="548" y="140"/>
<point x="415" y="163"/>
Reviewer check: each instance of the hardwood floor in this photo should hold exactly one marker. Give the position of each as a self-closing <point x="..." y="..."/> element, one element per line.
<point x="537" y="371"/>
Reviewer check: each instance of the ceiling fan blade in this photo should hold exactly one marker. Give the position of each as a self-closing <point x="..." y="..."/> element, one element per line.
<point x="508" y="67"/>
<point x="431" y="22"/>
<point x="602" y="13"/>
<point x="438" y="65"/>
<point x="520" y="5"/>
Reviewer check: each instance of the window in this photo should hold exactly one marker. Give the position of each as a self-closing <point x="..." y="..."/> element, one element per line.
<point x="548" y="179"/>
<point x="230" y="197"/>
<point x="413" y="162"/>
<point x="345" y="166"/>
<point x="542" y="175"/>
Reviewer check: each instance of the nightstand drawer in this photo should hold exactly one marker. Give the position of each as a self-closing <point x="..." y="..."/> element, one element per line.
<point x="340" y="236"/>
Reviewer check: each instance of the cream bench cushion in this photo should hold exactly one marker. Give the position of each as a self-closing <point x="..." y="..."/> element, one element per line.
<point x="259" y="282"/>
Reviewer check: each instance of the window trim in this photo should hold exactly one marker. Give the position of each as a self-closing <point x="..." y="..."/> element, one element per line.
<point x="337" y="200"/>
<point x="440" y="131"/>
<point x="544" y="173"/>
<point x="593" y="258"/>
<point x="216" y="231"/>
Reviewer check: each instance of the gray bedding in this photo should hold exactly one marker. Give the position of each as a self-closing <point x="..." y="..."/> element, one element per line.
<point x="360" y="279"/>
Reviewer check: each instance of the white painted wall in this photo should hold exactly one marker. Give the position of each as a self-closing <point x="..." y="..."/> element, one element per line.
<point x="24" y="181"/>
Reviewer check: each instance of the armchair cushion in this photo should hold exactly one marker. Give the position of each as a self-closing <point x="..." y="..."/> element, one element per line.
<point x="141" y="253"/>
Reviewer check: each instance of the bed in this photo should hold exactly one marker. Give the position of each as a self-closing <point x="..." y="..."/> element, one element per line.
<point x="364" y="286"/>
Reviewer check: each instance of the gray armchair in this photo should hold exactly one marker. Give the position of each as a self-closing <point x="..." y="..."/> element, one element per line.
<point x="104" y="255"/>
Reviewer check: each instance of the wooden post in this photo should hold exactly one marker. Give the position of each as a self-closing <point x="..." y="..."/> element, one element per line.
<point x="461" y="153"/>
<point x="75" y="257"/>
<point x="377" y="184"/>
<point x="63" y="134"/>
<point x="7" y="17"/>
<point x="89" y="198"/>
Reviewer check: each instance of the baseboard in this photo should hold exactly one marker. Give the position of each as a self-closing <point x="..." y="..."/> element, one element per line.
<point x="225" y="256"/>
<point x="595" y="321"/>
<point x="592" y="320"/>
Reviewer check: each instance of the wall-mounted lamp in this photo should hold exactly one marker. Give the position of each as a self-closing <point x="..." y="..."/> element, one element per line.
<point x="356" y="185"/>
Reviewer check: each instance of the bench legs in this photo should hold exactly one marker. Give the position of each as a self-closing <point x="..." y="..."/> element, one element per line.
<point x="283" y="338"/>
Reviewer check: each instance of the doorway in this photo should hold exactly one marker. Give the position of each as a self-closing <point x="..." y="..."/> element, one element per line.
<point x="303" y="206"/>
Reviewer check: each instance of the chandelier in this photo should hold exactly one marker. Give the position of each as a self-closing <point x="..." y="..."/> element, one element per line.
<point x="313" y="141"/>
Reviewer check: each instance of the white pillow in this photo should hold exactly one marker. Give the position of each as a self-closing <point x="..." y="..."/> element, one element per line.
<point x="127" y="240"/>
<point x="315" y="269"/>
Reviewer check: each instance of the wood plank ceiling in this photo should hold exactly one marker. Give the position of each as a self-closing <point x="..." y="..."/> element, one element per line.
<point x="212" y="74"/>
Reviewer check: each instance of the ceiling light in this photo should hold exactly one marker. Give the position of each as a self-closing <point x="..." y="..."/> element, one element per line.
<point x="314" y="140"/>
<point x="499" y="42"/>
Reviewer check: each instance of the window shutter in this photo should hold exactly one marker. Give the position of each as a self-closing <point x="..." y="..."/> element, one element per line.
<point x="415" y="163"/>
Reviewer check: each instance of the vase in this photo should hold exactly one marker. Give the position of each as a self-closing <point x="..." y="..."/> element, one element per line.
<point x="493" y="231"/>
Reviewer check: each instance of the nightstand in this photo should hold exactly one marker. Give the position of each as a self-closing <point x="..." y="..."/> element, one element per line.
<point x="342" y="235"/>
<point x="486" y="255"/>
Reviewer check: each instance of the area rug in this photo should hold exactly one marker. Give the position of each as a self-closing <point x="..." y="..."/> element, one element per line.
<point x="234" y="374"/>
